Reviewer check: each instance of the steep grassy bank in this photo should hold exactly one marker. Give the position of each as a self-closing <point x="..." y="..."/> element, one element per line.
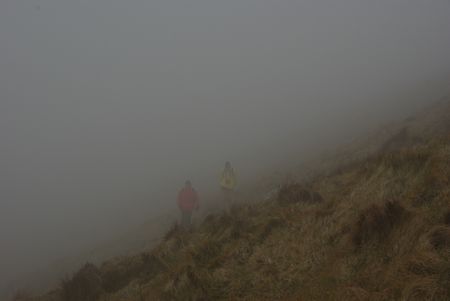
<point x="376" y="229"/>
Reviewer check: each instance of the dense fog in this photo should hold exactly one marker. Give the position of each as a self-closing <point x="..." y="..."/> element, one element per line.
<point x="107" y="107"/>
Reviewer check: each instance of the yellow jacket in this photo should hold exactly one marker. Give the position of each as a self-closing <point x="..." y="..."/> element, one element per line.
<point x="228" y="179"/>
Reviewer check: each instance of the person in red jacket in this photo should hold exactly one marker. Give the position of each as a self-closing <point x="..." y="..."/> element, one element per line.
<point x="187" y="202"/>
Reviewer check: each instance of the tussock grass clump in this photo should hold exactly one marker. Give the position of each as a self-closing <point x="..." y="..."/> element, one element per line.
<point x="192" y="283"/>
<point x="424" y="289"/>
<point x="118" y="273"/>
<point x="447" y="218"/>
<point x="205" y="251"/>
<point x="428" y="277"/>
<point x="270" y="226"/>
<point x="217" y="223"/>
<point x="376" y="222"/>
<point x="292" y="193"/>
<point x="411" y="158"/>
<point x="356" y="293"/>
<point x="173" y="231"/>
<point x="440" y="237"/>
<point x="239" y="227"/>
<point x="85" y="285"/>
<point x="424" y="263"/>
<point x="152" y="264"/>
<point x="90" y="282"/>
<point x="324" y="211"/>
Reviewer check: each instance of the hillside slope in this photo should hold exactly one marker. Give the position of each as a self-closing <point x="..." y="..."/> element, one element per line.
<point x="373" y="228"/>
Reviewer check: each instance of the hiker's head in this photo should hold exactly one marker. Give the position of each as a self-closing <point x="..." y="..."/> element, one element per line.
<point x="227" y="165"/>
<point x="188" y="183"/>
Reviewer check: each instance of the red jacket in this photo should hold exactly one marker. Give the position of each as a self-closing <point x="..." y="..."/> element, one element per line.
<point x="187" y="199"/>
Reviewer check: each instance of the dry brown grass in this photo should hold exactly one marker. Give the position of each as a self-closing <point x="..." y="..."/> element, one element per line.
<point x="440" y="237"/>
<point x="356" y="234"/>
<point x="86" y="285"/>
<point x="427" y="277"/>
<point x="292" y="193"/>
<point x="447" y="218"/>
<point x="376" y="222"/>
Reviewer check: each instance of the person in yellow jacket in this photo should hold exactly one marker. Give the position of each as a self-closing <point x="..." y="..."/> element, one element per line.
<point x="228" y="184"/>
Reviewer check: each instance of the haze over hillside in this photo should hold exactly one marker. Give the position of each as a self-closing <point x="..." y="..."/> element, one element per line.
<point x="373" y="225"/>
<point x="107" y="107"/>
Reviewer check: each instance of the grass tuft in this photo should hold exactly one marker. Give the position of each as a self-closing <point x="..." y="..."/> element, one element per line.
<point x="292" y="193"/>
<point x="440" y="237"/>
<point x="85" y="285"/>
<point x="447" y="218"/>
<point x="376" y="222"/>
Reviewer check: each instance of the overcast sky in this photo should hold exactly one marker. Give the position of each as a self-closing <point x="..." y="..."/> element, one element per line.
<point x="107" y="106"/>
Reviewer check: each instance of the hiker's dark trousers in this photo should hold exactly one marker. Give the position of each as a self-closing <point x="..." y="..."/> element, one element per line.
<point x="186" y="218"/>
